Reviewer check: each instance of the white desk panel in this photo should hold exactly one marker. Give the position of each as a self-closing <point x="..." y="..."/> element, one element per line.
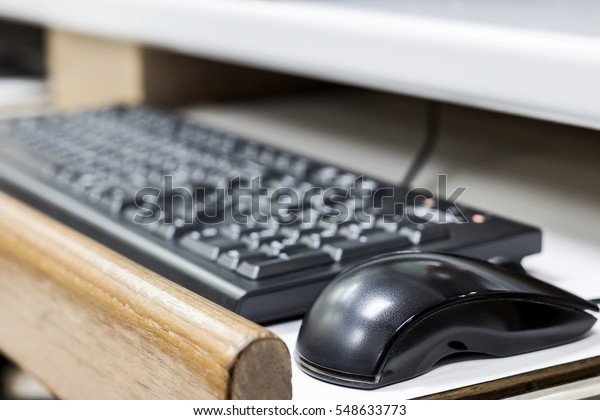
<point x="536" y="58"/>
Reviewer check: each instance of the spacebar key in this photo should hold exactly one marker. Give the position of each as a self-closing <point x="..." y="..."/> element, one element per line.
<point x="283" y="264"/>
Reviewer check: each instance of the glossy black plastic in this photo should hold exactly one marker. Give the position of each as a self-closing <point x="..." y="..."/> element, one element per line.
<point x="395" y="316"/>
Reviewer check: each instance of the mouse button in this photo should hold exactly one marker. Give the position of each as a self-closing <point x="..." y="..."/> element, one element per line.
<point x="522" y="283"/>
<point x="347" y="328"/>
<point x="448" y="279"/>
<point x="568" y="302"/>
<point x="365" y="291"/>
<point x="541" y="290"/>
<point x="354" y="318"/>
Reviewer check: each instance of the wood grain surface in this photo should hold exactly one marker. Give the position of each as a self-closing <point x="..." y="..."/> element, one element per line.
<point x="91" y="324"/>
<point x="525" y="383"/>
<point x="89" y="71"/>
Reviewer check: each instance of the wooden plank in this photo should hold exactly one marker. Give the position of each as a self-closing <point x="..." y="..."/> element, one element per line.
<point x="174" y="79"/>
<point x="586" y="389"/>
<point x="526" y="382"/>
<point x="90" y="323"/>
<point x="87" y="71"/>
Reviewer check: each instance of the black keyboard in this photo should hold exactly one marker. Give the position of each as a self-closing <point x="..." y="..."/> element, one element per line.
<point x="256" y="229"/>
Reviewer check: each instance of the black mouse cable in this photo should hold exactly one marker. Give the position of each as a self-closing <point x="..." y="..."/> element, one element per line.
<point x="431" y="137"/>
<point x="432" y="130"/>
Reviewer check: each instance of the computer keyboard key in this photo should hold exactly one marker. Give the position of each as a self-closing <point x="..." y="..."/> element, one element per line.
<point x="209" y="248"/>
<point x="365" y="245"/>
<point x="282" y="264"/>
<point x="276" y="248"/>
<point x="140" y="216"/>
<point x="355" y="230"/>
<point x="117" y="199"/>
<point x="316" y="241"/>
<point x="255" y="241"/>
<point x="372" y="231"/>
<point x="389" y="223"/>
<point x="395" y="223"/>
<point x="423" y="233"/>
<point x="170" y="231"/>
<point x="313" y="231"/>
<point x="294" y="231"/>
<point x="231" y="259"/>
<point x="235" y="231"/>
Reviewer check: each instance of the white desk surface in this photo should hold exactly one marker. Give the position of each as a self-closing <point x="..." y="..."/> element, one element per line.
<point x="533" y="58"/>
<point x="534" y="172"/>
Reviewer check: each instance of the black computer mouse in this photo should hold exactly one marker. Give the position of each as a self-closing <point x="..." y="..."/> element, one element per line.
<point x="393" y="317"/>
